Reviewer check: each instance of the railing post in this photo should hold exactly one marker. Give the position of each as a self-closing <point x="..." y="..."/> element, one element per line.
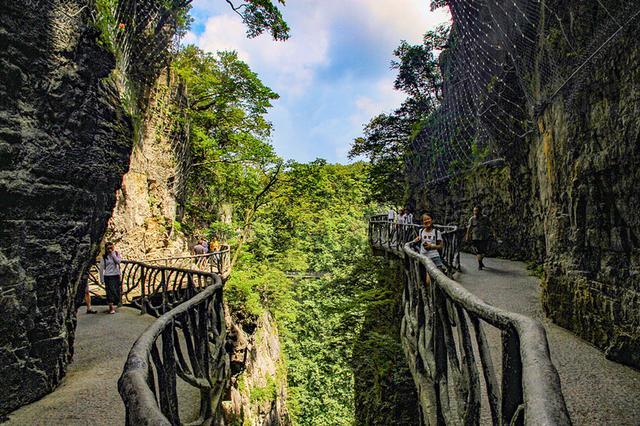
<point x="511" y="378"/>
<point x="163" y="284"/>
<point x="143" y="291"/>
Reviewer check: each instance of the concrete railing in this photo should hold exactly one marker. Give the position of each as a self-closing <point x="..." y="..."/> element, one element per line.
<point x="443" y="336"/>
<point x="185" y="347"/>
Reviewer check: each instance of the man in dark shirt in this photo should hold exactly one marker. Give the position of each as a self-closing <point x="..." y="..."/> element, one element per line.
<point x="479" y="230"/>
<point x="200" y="247"/>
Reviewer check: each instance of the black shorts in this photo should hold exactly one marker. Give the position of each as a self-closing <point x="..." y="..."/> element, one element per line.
<point x="481" y="246"/>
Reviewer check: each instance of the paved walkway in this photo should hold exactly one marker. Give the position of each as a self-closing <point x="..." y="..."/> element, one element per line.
<point x="88" y="394"/>
<point x="597" y="391"/>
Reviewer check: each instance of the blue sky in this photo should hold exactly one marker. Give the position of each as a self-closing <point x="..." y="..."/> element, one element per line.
<point x="332" y="75"/>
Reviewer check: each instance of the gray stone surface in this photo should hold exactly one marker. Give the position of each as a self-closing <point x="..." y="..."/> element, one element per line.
<point x="64" y="146"/>
<point x="597" y="391"/>
<point x="88" y="394"/>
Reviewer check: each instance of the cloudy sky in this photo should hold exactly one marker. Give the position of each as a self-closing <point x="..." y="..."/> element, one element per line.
<point x="332" y="75"/>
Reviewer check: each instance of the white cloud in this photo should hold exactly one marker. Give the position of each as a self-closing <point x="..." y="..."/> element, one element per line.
<point x="288" y="66"/>
<point x="321" y="116"/>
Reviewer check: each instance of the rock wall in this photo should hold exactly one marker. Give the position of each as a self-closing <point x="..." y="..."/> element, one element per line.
<point x="585" y="159"/>
<point x="258" y="393"/>
<point x="64" y="146"/>
<point x="568" y="195"/>
<point x="143" y="224"/>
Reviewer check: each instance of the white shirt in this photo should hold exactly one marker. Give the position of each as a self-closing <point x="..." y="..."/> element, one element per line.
<point x="391" y="215"/>
<point x="429" y="237"/>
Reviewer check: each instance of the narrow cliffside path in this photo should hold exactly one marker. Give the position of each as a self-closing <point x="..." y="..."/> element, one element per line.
<point x="88" y="394"/>
<point x="597" y="391"/>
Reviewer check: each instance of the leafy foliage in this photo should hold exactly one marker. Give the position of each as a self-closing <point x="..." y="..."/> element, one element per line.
<point x="260" y="16"/>
<point x="285" y="219"/>
<point x="387" y="137"/>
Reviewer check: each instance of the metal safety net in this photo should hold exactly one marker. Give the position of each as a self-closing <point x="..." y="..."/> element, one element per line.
<point x="504" y="61"/>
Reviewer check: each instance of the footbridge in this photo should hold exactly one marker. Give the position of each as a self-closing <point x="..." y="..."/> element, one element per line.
<point x="472" y="362"/>
<point x="176" y="366"/>
<point x="481" y="352"/>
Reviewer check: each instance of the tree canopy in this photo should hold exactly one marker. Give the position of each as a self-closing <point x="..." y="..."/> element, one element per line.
<point x="387" y="137"/>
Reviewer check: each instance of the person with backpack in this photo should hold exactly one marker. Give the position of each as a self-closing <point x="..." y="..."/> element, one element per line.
<point x="110" y="275"/>
<point x="430" y="240"/>
<point x="479" y="232"/>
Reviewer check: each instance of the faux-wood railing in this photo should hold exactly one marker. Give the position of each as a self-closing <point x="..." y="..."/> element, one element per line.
<point x="186" y="343"/>
<point x="443" y="335"/>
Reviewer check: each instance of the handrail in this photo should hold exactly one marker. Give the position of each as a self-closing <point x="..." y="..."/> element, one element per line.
<point x="394" y="235"/>
<point x="217" y="261"/>
<point x="176" y="268"/>
<point x="439" y="315"/>
<point x="190" y="256"/>
<point x="197" y="325"/>
<point x="156" y="289"/>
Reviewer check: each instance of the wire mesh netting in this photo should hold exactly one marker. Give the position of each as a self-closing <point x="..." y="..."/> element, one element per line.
<point x="505" y="60"/>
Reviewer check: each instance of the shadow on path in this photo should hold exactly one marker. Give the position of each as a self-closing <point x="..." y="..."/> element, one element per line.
<point x="88" y="394"/>
<point x="597" y="391"/>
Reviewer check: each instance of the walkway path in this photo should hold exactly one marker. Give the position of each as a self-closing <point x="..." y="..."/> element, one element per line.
<point x="88" y="394"/>
<point x="597" y="391"/>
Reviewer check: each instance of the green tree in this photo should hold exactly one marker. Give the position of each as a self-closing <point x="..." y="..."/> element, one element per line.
<point x="387" y="137"/>
<point x="258" y="15"/>
<point x="235" y="167"/>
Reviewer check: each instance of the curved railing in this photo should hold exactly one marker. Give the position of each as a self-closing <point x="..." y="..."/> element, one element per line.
<point x="392" y="236"/>
<point x="218" y="262"/>
<point x="154" y="289"/>
<point x="443" y="335"/>
<point x="184" y="347"/>
<point x="147" y="279"/>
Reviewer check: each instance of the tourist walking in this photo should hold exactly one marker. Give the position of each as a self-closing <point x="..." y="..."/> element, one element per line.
<point x="87" y="299"/>
<point x="402" y="216"/>
<point x="479" y="231"/>
<point x="110" y="275"/>
<point x="430" y="241"/>
<point x="201" y="247"/>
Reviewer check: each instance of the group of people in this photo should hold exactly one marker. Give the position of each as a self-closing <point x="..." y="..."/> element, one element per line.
<point x="204" y="247"/>
<point x="403" y="216"/>
<point x="479" y="232"/>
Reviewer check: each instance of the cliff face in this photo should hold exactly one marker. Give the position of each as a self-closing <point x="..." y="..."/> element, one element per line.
<point x="143" y="221"/>
<point x="258" y="391"/>
<point x="64" y="146"/>
<point x="585" y="160"/>
<point x="568" y="194"/>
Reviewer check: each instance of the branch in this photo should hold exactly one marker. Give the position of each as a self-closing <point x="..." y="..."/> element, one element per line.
<point x="236" y="9"/>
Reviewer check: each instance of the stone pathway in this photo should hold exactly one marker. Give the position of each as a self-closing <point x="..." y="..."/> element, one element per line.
<point x="88" y="394"/>
<point x="597" y="391"/>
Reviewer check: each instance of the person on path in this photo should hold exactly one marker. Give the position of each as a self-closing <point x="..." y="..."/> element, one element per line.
<point x="200" y="248"/>
<point x="391" y="215"/>
<point x="408" y="217"/>
<point x="110" y="275"/>
<point x="430" y="241"/>
<point x="479" y="231"/>
<point x="87" y="300"/>
<point x="214" y="245"/>
<point x="402" y="217"/>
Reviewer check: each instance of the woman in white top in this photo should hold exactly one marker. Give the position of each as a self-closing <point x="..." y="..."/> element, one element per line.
<point x="110" y="275"/>
<point x="430" y="241"/>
